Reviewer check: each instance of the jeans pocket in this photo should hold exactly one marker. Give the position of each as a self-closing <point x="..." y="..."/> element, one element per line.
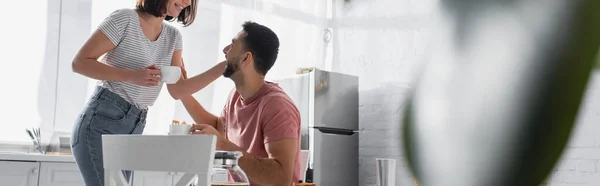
<point x="75" y="135"/>
<point x="139" y="128"/>
<point x="110" y="111"/>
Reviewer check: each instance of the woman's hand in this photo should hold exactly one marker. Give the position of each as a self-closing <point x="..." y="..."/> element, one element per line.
<point x="149" y="76"/>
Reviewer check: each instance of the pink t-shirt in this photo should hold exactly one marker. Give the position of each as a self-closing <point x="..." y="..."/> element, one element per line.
<point x="269" y="115"/>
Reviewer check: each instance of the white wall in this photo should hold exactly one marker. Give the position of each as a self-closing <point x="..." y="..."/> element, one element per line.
<point x="381" y="41"/>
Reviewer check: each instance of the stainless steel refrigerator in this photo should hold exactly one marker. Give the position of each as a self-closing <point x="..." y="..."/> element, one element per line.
<point x="328" y="104"/>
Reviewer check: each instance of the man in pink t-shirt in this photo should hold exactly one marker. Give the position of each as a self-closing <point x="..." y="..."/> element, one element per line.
<point x="259" y="119"/>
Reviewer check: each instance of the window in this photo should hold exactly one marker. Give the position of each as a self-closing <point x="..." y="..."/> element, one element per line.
<point x="29" y="55"/>
<point x="78" y="21"/>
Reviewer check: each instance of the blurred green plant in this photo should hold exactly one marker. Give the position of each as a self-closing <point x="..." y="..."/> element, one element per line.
<point x="457" y="132"/>
<point x="598" y="60"/>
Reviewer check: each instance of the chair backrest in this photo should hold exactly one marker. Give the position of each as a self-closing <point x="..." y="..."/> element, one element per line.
<point x="303" y="163"/>
<point x="185" y="153"/>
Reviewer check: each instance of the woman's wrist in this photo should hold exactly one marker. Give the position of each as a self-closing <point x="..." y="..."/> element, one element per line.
<point x="124" y="75"/>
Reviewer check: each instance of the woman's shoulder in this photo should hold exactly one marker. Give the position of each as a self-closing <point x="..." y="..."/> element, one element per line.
<point x="172" y="31"/>
<point x="123" y="13"/>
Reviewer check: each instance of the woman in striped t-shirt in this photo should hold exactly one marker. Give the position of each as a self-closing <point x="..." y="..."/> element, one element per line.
<point x="135" y="43"/>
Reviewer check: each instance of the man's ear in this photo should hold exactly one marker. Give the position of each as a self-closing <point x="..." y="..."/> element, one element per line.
<point x="247" y="58"/>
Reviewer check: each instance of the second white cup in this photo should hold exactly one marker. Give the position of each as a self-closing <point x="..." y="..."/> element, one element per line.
<point x="180" y="129"/>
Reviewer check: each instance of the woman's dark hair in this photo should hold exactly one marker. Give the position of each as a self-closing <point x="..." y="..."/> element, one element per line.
<point x="158" y="8"/>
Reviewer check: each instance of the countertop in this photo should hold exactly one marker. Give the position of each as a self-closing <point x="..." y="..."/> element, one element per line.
<point x="36" y="157"/>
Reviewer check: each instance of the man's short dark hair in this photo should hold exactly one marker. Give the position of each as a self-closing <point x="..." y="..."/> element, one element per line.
<point x="263" y="43"/>
<point x="158" y="8"/>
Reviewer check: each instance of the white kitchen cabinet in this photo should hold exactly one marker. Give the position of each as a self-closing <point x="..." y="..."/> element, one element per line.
<point x="15" y="173"/>
<point x="48" y="173"/>
<point x="59" y="174"/>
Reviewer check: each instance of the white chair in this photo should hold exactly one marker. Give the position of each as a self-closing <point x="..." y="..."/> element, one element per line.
<point x="189" y="154"/>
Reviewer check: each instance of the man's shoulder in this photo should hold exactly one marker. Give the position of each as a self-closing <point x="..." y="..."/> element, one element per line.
<point x="276" y="95"/>
<point x="232" y="97"/>
<point x="277" y="102"/>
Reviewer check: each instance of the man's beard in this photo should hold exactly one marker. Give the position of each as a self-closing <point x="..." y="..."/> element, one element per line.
<point x="230" y="69"/>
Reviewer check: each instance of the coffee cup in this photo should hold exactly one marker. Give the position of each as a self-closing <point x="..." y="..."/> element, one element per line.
<point x="180" y="129"/>
<point x="170" y="74"/>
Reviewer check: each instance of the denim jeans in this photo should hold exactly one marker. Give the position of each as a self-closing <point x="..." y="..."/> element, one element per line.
<point x="105" y="113"/>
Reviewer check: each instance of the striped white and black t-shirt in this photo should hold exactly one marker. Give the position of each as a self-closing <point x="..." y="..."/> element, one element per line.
<point x="133" y="50"/>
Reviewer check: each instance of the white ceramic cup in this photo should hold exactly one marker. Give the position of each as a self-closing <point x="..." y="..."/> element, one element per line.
<point x="182" y="129"/>
<point x="170" y="74"/>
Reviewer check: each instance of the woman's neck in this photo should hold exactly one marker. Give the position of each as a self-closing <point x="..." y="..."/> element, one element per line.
<point x="151" y="19"/>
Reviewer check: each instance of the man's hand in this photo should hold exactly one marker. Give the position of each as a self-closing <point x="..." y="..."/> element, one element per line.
<point x="207" y="129"/>
<point x="183" y="71"/>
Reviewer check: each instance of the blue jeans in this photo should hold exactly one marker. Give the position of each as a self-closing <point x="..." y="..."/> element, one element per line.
<point x="105" y="113"/>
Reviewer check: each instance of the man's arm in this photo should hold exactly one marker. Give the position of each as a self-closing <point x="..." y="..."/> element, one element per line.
<point x="196" y="110"/>
<point x="185" y="87"/>
<point x="199" y="114"/>
<point x="277" y="169"/>
<point x="281" y="132"/>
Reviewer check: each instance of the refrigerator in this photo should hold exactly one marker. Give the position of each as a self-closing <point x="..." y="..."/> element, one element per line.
<point x="328" y="105"/>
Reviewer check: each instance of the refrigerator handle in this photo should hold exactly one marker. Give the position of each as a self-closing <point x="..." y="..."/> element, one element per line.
<point x="337" y="131"/>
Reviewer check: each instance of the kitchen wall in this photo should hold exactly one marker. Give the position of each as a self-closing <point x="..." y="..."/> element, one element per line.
<point x="384" y="42"/>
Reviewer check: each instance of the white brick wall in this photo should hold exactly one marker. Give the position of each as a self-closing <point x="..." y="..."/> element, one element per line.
<point x="383" y="42"/>
<point x="580" y="164"/>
